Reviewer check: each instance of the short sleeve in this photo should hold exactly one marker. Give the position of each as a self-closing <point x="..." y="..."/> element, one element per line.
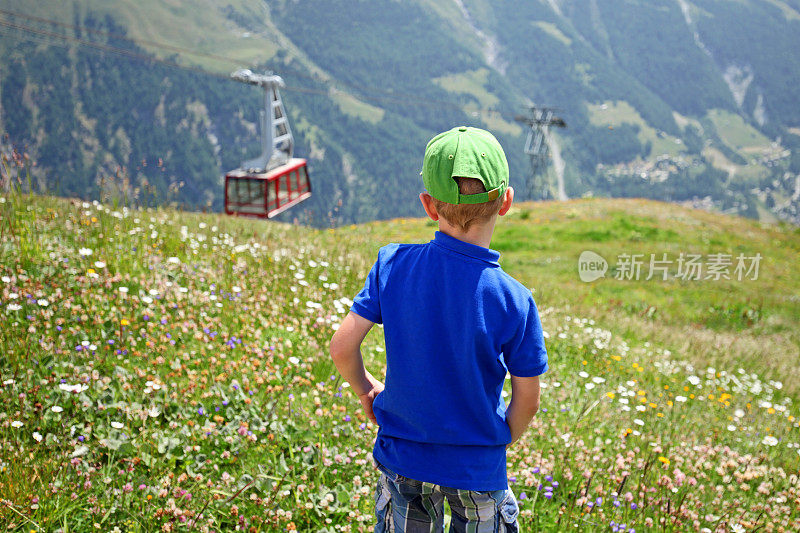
<point x="367" y="303"/>
<point x="525" y="354"/>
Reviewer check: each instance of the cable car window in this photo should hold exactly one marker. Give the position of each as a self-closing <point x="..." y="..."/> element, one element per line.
<point x="283" y="188"/>
<point x="303" y="179"/>
<point x="246" y="195"/>
<point x="272" y="198"/>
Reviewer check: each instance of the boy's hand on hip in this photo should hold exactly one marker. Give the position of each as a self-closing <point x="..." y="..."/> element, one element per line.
<point x="345" y="348"/>
<point x="368" y="398"/>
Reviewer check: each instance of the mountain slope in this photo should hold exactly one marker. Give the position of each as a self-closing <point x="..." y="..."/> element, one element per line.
<point x="675" y="100"/>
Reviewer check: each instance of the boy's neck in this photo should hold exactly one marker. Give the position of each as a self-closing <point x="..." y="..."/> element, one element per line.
<point x="478" y="234"/>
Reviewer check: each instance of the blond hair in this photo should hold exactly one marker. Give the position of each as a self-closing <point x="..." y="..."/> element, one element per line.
<point x="464" y="215"/>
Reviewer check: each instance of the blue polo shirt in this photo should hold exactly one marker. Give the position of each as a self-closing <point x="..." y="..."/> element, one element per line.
<point x="454" y="324"/>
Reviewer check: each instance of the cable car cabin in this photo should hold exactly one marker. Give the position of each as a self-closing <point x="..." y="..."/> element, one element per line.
<point x="266" y="194"/>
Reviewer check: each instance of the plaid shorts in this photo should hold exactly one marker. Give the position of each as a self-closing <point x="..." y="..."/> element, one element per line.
<point x="404" y="505"/>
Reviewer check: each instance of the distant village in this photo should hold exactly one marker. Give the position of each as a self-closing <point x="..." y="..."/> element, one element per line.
<point x="780" y="196"/>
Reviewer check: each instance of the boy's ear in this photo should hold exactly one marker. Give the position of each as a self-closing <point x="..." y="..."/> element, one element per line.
<point x="427" y="203"/>
<point x="508" y="199"/>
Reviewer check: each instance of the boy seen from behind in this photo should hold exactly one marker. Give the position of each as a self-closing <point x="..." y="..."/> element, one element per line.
<point x="455" y="324"/>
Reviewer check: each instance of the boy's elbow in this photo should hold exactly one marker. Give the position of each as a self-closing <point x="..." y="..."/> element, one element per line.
<point x="525" y="406"/>
<point x="337" y="348"/>
<point x="534" y="407"/>
<point x="334" y="348"/>
<point x="525" y="392"/>
<point x="529" y="405"/>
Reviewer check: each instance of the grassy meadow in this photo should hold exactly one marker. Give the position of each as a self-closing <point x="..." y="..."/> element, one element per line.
<point x="163" y="370"/>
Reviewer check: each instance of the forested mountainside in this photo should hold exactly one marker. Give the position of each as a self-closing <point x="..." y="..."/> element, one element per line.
<point x="686" y="101"/>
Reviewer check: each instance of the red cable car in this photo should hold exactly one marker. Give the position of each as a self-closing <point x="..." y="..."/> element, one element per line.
<point x="275" y="181"/>
<point x="268" y="194"/>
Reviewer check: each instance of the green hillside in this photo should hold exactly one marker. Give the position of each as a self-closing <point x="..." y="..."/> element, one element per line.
<point x="167" y="370"/>
<point x="699" y="96"/>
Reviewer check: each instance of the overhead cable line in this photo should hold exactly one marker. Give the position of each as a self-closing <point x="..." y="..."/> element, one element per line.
<point x="131" y="54"/>
<point x="108" y="48"/>
<point x="390" y="97"/>
<point x="85" y="29"/>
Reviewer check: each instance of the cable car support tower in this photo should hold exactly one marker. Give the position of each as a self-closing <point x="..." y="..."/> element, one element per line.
<point x="275" y="180"/>
<point x="539" y="120"/>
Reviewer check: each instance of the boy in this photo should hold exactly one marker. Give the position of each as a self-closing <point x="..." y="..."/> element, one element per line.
<point x="454" y="324"/>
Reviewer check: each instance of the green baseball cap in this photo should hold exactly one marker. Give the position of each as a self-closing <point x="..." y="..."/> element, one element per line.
<point x="464" y="152"/>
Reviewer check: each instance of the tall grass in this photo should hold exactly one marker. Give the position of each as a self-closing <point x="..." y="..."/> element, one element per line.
<point x="168" y="370"/>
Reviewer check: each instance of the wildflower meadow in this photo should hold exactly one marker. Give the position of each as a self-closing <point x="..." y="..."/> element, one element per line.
<point x="163" y="370"/>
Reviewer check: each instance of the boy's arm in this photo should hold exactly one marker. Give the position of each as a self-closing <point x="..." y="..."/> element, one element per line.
<point x="524" y="404"/>
<point x="345" y="349"/>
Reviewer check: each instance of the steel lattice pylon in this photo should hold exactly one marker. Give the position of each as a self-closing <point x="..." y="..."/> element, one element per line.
<point x="539" y="120"/>
<point x="277" y="143"/>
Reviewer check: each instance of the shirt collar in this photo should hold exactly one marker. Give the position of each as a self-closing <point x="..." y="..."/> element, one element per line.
<point x="472" y="250"/>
